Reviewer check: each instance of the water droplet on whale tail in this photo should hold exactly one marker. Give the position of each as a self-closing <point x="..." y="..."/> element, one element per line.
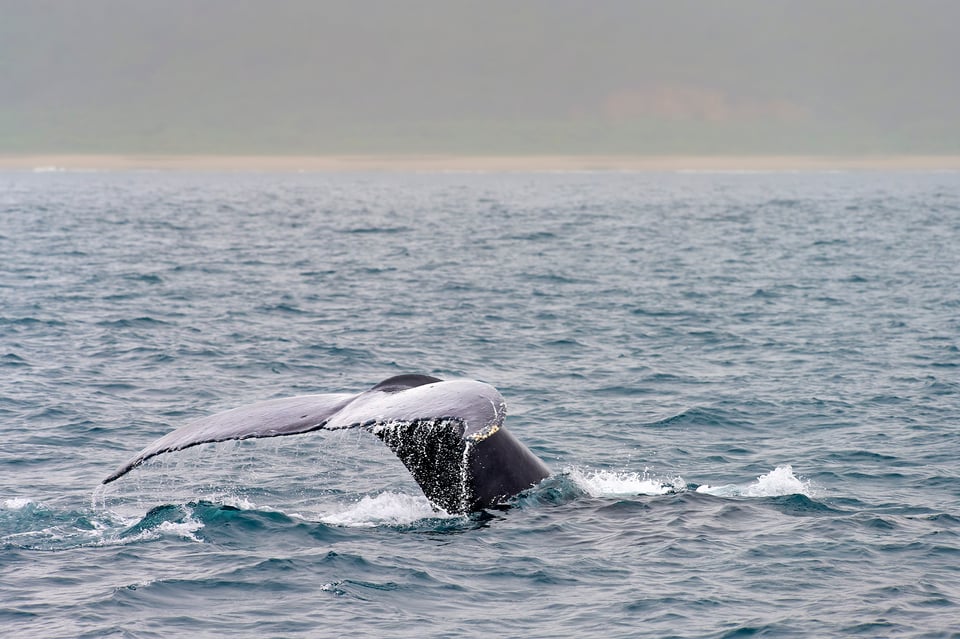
<point x="434" y="452"/>
<point x="463" y="474"/>
<point x="449" y="435"/>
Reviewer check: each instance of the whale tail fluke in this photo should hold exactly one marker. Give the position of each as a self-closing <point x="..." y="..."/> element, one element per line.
<point x="449" y="435"/>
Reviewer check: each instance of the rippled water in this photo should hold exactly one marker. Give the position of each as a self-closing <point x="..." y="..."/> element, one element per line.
<point x="747" y="386"/>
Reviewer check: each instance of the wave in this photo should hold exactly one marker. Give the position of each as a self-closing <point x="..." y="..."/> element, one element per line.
<point x="27" y="524"/>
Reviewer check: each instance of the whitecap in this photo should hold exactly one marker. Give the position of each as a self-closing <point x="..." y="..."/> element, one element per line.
<point x="16" y="503"/>
<point x="185" y="529"/>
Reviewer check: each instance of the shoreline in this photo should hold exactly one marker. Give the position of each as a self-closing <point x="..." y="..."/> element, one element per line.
<point x="401" y="163"/>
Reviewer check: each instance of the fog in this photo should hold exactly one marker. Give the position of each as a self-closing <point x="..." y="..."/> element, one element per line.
<point x="544" y="76"/>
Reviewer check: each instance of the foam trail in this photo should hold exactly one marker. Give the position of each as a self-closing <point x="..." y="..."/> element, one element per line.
<point x="779" y="481"/>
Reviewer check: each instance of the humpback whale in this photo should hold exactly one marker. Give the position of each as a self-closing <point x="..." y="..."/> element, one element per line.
<point x="449" y="435"/>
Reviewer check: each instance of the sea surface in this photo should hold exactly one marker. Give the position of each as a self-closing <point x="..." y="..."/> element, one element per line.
<point x="747" y="386"/>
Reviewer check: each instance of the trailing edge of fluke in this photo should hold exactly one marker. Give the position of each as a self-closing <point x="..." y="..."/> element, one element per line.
<point x="449" y="435"/>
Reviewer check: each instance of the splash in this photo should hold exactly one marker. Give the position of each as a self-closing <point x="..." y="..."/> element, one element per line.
<point x="386" y="509"/>
<point x="779" y="481"/>
<point x="606" y="483"/>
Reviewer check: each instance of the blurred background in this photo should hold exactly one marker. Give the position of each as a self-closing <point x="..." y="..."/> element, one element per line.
<point x="494" y="77"/>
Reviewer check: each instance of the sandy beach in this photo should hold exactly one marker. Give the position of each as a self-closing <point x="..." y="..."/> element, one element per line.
<point x="475" y="163"/>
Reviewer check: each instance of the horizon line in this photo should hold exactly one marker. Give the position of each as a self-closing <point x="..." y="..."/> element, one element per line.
<point x="451" y="162"/>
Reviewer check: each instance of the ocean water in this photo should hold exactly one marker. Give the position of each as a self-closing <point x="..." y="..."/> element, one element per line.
<point x="747" y="386"/>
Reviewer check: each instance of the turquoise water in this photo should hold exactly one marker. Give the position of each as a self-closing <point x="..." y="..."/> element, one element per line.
<point x="747" y="385"/>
